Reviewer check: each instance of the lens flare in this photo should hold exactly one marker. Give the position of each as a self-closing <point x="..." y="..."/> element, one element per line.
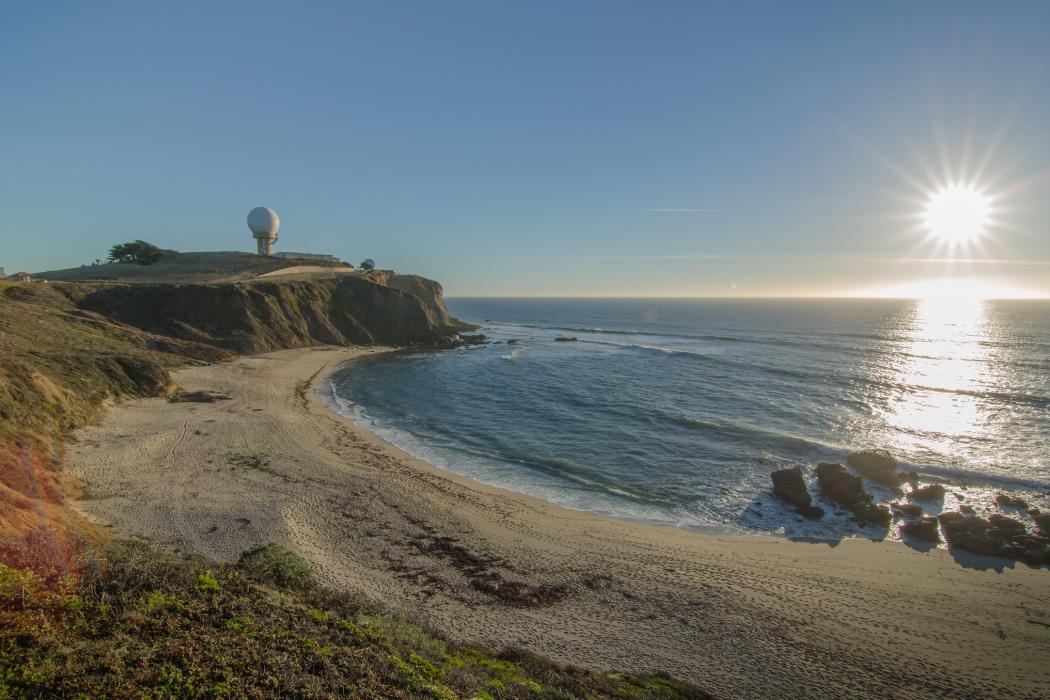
<point x="958" y="213"/>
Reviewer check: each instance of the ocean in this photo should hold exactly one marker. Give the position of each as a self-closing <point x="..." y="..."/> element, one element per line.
<point x="675" y="412"/>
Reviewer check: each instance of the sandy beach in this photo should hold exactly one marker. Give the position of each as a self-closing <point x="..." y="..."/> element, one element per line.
<point x="742" y="616"/>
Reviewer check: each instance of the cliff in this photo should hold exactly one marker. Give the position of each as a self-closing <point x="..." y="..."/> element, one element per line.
<point x="263" y="315"/>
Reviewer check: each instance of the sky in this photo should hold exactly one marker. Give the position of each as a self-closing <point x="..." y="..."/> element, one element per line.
<point x="538" y="148"/>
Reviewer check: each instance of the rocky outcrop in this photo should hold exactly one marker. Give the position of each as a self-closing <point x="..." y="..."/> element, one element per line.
<point x="907" y="509"/>
<point x="930" y="492"/>
<point x="789" y="486"/>
<point x="847" y="490"/>
<point x="1042" y="521"/>
<point x="268" y="315"/>
<point x="877" y="465"/>
<point x="996" y="535"/>
<point x="430" y="294"/>
<point x="925" y="529"/>
<point x="1002" y="500"/>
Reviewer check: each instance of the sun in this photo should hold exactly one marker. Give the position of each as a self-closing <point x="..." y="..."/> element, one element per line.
<point x="958" y="213"/>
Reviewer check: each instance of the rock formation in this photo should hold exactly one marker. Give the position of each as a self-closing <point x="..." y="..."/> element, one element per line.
<point x="1042" y="521"/>
<point x="841" y="487"/>
<point x="926" y="529"/>
<point x="930" y="492"/>
<point x="877" y="465"/>
<point x="1012" y="501"/>
<point x="789" y="486"/>
<point x="907" y="508"/>
<point x="997" y="536"/>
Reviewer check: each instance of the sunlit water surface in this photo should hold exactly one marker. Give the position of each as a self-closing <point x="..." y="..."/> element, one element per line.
<point x="677" y="411"/>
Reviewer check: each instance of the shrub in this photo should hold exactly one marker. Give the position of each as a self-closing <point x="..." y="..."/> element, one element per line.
<point x="274" y="564"/>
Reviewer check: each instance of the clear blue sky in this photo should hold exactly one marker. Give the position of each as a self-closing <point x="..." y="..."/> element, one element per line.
<point x="520" y="148"/>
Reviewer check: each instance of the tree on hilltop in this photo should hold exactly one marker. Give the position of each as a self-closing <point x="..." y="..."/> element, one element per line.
<point x="138" y="252"/>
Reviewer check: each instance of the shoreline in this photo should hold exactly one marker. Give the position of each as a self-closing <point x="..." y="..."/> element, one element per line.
<point x="327" y="395"/>
<point x="740" y="616"/>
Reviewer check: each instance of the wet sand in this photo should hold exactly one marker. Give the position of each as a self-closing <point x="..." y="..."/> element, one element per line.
<point x="742" y="616"/>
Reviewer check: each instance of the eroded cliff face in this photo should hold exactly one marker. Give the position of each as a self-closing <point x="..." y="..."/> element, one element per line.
<point x="260" y="316"/>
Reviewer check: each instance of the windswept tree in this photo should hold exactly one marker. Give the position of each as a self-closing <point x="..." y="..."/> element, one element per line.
<point x="367" y="264"/>
<point x="138" y="252"/>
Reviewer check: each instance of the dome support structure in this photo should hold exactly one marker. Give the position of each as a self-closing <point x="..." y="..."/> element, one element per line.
<point x="264" y="225"/>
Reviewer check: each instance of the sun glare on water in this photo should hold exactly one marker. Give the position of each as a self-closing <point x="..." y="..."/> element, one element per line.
<point x="958" y="213"/>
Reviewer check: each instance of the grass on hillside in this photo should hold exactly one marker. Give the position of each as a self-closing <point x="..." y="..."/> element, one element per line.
<point x="140" y="622"/>
<point x="59" y="363"/>
<point x="184" y="267"/>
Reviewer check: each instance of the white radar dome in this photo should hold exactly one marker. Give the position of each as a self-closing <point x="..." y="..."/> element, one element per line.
<point x="263" y="220"/>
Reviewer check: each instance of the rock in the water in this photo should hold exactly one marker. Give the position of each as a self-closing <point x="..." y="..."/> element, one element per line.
<point x="513" y="341"/>
<point x="841" y="487"/>
<point x="877" y="465"/>
<point x="925" y="529"/>
<point x="1012" y="501"/>
<point x="997" y="536"/>
<point x="1042" y="521"/>
<point x="788" y="485"/>
<point x="930" y="492"/>
<point x="1007" y="527"/>
<point x="562" y="339"/>
<point x="907" y="508"/>
<point x="908" y="478"/>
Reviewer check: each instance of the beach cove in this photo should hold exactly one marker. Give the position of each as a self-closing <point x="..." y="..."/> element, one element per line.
<point x="261" y="458"/>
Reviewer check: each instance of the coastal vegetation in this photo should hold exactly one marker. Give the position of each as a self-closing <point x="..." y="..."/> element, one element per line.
<point x="138" y="252"/>
<point x="138" y="621"/>
<point x="85" y="615"/>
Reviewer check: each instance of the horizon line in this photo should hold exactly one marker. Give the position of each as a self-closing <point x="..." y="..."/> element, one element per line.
<point x="761" y="297"/>
<point x="775" y="256"/>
